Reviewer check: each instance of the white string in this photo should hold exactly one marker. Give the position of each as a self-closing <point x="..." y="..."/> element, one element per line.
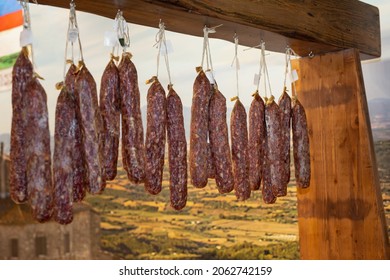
<point x="265" y="70"/>
<point x="235" y="59"/>
<point x="27" y="24"/>
<point x="287" y="57"/>
<point x="73" y="20"/>
<point x="166" y="56"/>
<point x="161" y="40"/>
<point x="206" y="48"/>
<point x="260" y="68"/>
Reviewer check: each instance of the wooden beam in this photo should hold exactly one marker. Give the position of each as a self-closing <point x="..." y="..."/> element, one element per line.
<point x="341" y="215"/>
<point x="307" y="26"/>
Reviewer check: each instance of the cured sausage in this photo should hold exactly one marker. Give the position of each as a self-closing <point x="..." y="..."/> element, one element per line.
<point x="38" y="156"/>
<point x="177" y="151"/>
<point x="110" y="111"/>
<point x="285" y="109"/>
<point x="274" y="146"/>
<point x="219" y="140"/>
<point x="210" y="162"/>
<point x="155" y="137"/>
<point x="21" y="74"/>
<point x="90" y="120"/>
<point x="210" y="156"/>
<point x="79" y="170"/>
<point x="64" y="151"/>
<point x="266" y="190"/>
<point x="301" y="145"/>
<point x="256" y="141"/>
<point x="199" y="130"/>
<point x="133" y="150"/>
<point x="239" y="139"/>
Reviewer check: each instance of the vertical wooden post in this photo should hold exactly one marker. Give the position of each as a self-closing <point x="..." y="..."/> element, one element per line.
<point x="2" y="172"/>
<point x="341" y="215"/>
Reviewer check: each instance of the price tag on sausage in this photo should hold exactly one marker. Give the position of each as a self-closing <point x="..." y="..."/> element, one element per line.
<point x="26" y="38"/>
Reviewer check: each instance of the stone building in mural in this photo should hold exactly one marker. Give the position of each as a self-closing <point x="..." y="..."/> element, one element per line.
<point x="21" y="237"/>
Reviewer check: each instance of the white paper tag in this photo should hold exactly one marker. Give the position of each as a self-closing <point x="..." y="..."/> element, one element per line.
<point x="73" y="34"/>
<point x="294" y="76"/>
<point x="256" y="79"/>
<point x="209" y="76"/>
<point x="166" y="48"/>
<point x="110" y="39"/>
<point x="25" y="38"/>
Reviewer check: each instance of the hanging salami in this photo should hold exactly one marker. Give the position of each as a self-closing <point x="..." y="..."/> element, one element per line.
<point x="110" y="111"/>
<point x="133" y="151"/>
<point x="91" y="125"/>
<point x="79" y="168"/>
<point x="219" y="140"/>
<point x="240" y="158"/>
<point x="155" y="137"/>
<point x="301" y="145"/>
<point x="21" y="75"/>
<point x="285" y="110"/>
<point x="257" y="136"/>
<point x="177" y="151"/>
<point x="38" y="156"/>
<point x="199" y="130"/>
<point x="274" y="147"/>
<point x="272" y="122"/>
<point x="210" y="162"/>
<point x="64" y="151"/>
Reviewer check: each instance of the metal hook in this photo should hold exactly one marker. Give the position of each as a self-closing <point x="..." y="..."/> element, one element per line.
<point x="311" y="54"/>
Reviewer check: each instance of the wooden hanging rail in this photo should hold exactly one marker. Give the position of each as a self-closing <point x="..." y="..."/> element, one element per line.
<point x="306" y="26"/>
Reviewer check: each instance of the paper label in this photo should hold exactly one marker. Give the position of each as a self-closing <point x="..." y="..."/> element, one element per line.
<point x="26" y="38"/>
<point x="73" y="35"/>
<point x="294" y="76"/>
<point x="166" y="48"/>
<point x="110" y="39"/>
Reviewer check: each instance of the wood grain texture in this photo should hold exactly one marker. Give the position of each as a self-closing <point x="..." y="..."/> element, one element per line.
<point x="341" y="215"/>
<point x="307" y="26"/>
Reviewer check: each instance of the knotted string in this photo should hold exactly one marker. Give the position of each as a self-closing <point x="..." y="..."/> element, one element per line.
<point x="161" y="41"/>
<point x="236" y="61"/>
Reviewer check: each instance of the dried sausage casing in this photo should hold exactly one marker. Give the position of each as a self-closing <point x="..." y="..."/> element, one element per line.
<point x="285" y="110"/>
<point x="88" y="114"/>
<point x="155" y="137"/>
<point x="177" y="151"/>
<point x="219" y="140"/>
<point x="64" y="148"/>
<point x="199" y="130"/>
<point x="239" y="139"/>
<point x="301" y="145"/>
<point x="133" y="150"/>
<point x="21" y="75"/>
<point x="38" y="156"/>
<point x="110" y="111"/>
<point x="256" y="141"/>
